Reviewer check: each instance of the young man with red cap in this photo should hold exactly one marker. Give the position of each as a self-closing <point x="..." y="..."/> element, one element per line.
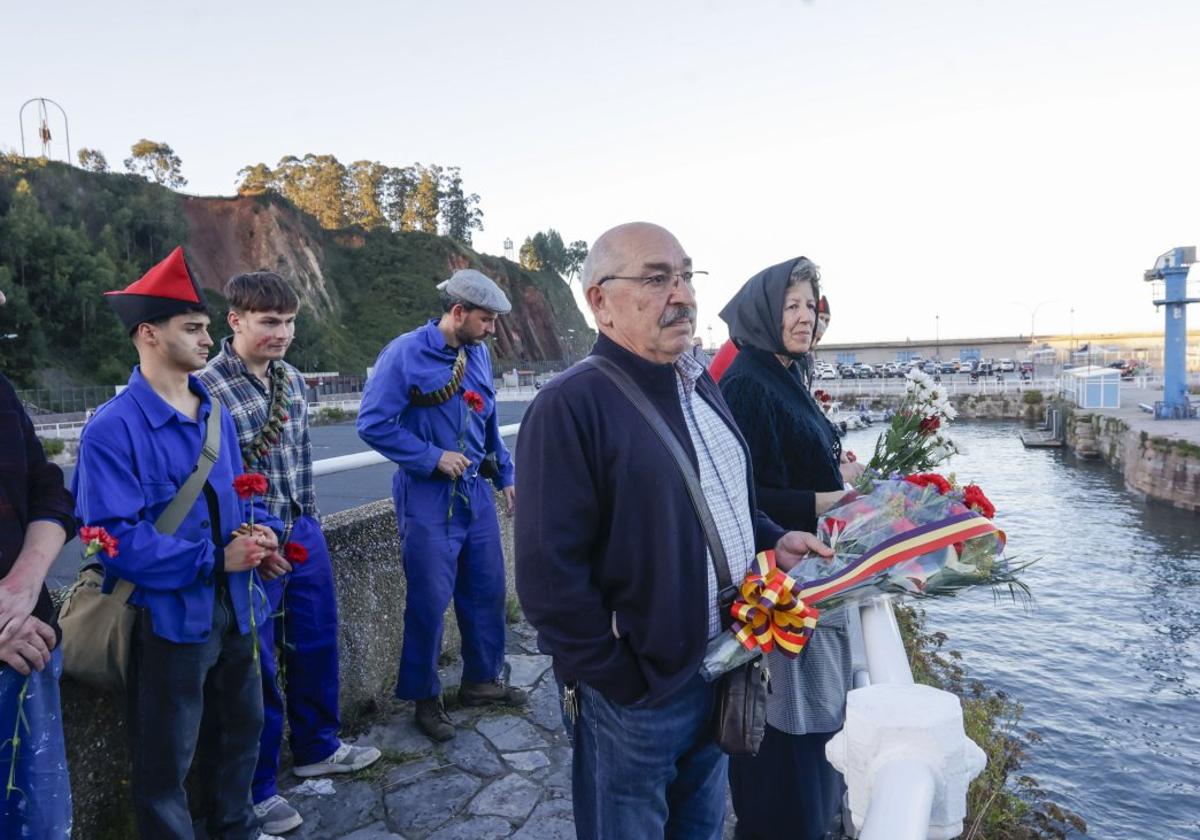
<point x="265" y="395"/>
<point x="195" y="589"/>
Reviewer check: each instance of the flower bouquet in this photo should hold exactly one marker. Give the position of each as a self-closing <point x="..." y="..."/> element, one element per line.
<point x="916" y="439"/>
<point x="919" y="536"/>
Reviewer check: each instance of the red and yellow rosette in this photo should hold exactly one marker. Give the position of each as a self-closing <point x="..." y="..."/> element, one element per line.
<point x="769" y="611"/>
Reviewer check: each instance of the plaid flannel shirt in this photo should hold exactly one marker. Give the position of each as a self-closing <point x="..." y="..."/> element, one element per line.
<point x="288" y="465"/>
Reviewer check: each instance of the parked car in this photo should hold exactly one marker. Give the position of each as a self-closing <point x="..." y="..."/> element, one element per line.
<point x="984" y="368"/>
<point x="949" y="367"/>
<point x="1007" y="366"/>
<point x="1027" y="367"/>
<point x="864" y="371"/>
<point x="847" y="372"/>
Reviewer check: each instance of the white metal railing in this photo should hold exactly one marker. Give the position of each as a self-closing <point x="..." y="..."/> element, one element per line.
<point x="59" y="431"/>
<point x="370" y="458"/>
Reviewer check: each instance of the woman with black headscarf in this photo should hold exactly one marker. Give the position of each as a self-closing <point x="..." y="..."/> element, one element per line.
<point x="798" y="477"/>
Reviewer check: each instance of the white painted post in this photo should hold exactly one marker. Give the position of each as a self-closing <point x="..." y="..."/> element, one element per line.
<point x="907" y="762"/>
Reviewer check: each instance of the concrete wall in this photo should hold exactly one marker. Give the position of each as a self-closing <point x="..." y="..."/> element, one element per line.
<point x="1140" y="345"/>
<point x="1158" y="467"/>
<point x="371" y="589"/>
<point x="1017" y="405"/>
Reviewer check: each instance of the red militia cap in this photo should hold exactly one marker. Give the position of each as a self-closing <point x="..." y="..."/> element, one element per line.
<point x="167" y="289"/>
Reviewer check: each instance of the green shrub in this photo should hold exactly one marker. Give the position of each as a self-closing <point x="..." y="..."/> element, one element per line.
<point x="1033" y="397"/>
<point x="53" y="446"/>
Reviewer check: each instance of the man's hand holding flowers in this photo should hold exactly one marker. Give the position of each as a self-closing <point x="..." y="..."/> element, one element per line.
<point x="252" y="547"/>
<point x="794" y="546"/>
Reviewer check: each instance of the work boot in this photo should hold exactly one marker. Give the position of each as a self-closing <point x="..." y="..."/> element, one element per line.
<point x="497" y="691"/>
<point x="432" y="719"/>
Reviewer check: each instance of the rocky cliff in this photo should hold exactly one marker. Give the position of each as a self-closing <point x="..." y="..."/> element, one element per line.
<point x="67" y="236"/>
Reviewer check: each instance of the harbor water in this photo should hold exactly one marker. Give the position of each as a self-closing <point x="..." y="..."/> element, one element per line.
<point x="1106" y="662"/>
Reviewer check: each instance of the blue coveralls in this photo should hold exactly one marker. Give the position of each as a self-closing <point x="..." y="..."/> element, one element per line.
<point x="192" y="655"/>
<point x="452" y="537"/>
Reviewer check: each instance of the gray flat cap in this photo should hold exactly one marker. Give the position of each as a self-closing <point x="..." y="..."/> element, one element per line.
<point x="473" y="287"/>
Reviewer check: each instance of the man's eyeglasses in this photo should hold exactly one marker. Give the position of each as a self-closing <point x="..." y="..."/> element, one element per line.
<point x="657" y="281"/>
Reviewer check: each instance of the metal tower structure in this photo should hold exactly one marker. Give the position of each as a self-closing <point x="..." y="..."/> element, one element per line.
<point x="1169" y="277"/>
<point x="44" y="135"/>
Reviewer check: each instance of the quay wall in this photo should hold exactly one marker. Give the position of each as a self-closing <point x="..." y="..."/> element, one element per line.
<point x="1164" y="467"/>
<point x="1013" y="405"/>
<point x="370" y="588"/>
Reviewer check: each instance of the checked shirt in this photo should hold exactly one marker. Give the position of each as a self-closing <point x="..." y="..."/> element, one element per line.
<point x="288" y="465"/>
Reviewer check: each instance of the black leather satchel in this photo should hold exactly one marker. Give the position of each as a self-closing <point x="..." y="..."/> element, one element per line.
<point x="740" y="713"/>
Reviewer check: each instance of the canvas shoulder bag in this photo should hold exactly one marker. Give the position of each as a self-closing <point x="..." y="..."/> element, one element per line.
<point x="740" y="715"/>
<point x="97" y="629"/>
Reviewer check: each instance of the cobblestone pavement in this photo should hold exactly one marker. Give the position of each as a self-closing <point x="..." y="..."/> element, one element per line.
<point x="507" y="773"/>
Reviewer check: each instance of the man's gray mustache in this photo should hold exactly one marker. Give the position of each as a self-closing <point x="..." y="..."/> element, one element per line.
<point x="677" y="314"/>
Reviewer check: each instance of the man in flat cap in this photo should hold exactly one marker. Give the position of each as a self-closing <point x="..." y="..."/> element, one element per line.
<point x="190" y="573"/>
<point x="430" y="407"/>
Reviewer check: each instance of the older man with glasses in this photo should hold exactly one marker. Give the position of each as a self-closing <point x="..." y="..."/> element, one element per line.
<point x="613" y="567"/>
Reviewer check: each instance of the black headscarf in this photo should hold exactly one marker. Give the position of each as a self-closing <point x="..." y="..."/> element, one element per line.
<point x="755" y="314"/>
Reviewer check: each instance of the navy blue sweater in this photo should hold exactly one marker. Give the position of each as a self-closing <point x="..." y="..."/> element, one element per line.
<point x="792" y="445"/>
<point x="31" y="488"/>
<point x="604" y="525"/>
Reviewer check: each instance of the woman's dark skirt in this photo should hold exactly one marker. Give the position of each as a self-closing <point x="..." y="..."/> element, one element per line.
<point x="788" y="790"/>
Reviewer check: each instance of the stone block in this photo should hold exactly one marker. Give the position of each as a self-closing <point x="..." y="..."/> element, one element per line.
<point x="429" y="801"/>
<point x="476" y="828"/>
<point x="512" y="797"/>
<point x="511" y="734"/>
<point x="469" y="751"/>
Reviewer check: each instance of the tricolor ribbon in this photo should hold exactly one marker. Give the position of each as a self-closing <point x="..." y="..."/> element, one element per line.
<point x="770" y="611"/>
<point x="773" y="608"/>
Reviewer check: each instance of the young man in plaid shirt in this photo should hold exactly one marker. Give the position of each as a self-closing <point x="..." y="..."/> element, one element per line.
<point x="265" y="395"/>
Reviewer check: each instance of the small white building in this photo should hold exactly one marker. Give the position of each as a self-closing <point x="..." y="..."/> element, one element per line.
<point x="1093" y="387"/>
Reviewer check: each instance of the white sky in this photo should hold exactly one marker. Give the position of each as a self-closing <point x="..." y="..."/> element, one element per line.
<point x="966" y="159"/>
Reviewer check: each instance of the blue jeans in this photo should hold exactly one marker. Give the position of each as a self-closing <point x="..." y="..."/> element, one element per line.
<point x="307" y="634"/>
<point x="447" y="556"/>
<point x="642" y="772"/>
<point x="40" y="803"/>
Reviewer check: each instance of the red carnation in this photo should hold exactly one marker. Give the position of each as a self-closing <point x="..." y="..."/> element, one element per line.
<point x="929" y="425"/>
<point x="250" y="484"/>
<point x="929" y="480"/>
<point x="295" y="553"/>
<point x="831" y="522"/>
<point x="474" y="400"/>
<point x="974" y="499"/>
<point x="95" y="539"/>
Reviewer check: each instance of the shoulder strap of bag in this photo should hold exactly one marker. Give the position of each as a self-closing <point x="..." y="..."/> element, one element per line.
<point x="641" y="402"/>
<point x="174" y="514"/>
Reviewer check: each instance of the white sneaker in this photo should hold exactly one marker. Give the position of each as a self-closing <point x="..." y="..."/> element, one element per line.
<point x="346" y="759"/>
<point x="276" y="816"/>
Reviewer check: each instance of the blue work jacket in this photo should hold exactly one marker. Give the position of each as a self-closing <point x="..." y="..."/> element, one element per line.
<point x="413" y="436"/>
<point x="134" y="455"/>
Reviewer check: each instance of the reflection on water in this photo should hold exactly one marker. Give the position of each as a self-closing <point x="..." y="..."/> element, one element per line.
<point x="1107" y="663"/>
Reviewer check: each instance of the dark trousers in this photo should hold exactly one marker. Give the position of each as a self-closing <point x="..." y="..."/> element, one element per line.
<point x="172" y="688"/>
<point x="791" y="769"/>
<point x="648" y="772"/>
<point x="303" y="607"/>
<point x="450" y="555"/>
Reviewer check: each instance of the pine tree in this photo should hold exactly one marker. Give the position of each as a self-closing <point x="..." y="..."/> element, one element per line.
<point x="156" y="162"/>
<point x="92" y="160"/>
